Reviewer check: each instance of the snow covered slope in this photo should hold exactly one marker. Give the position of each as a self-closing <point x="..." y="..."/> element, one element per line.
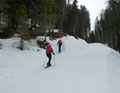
<point x="80" y="68"/>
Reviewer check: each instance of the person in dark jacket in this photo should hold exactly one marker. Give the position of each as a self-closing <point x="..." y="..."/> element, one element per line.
<point x="49" y="52"/>
<point x="59" y="46"/>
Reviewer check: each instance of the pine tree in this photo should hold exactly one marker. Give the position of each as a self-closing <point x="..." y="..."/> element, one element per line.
<point x="84" y="23"/>
<point x="60" y="11"/>
<point x="76" y="21"/>
<point x="12" y="17"/>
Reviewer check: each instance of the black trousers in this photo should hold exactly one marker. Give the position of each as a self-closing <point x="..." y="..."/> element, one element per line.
<point x="59" y="48"/>
<point x="49" y="55"/>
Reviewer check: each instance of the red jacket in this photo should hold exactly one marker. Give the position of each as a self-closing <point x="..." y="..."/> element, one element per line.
<point x="49" y="49"/>
<point x="59" y="42"/>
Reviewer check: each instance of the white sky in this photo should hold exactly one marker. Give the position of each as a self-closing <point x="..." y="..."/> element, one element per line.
<point x="94" y="7"/>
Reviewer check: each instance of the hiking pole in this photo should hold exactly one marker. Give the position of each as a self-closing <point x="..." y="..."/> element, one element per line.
<point x="54" y="60"/>
<point x="63" y="47"/>
<point x="44" y="62"/>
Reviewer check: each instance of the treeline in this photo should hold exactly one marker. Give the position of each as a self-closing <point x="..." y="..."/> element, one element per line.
<point x="107" y="27"/>
<point x="29" y="17"/>
<point x="76" y="20"/>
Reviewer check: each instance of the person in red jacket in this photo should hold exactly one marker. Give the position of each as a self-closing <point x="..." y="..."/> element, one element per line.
<point x="49" y="52"/>
<point x="59" y="45"/>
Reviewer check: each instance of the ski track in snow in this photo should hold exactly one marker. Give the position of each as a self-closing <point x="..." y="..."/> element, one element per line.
<point x="80" y="68"/>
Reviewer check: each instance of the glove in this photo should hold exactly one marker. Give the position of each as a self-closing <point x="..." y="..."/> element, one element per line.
<point x="53" y="53"/>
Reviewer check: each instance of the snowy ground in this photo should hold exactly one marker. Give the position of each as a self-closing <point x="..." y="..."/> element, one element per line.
<point x="80" y="68"/>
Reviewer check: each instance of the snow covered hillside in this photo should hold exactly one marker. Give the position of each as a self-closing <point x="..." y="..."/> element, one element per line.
<point x="80" y="68"/>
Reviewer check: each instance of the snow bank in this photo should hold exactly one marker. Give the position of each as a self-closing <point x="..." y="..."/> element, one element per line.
<point x="80" y="68"/>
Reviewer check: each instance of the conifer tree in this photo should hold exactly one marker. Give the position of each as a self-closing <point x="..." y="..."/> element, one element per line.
<point x="76" y="21"/>
<point x="60" y="12"/>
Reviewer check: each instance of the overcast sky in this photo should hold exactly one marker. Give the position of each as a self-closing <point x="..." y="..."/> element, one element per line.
<point x="94" y="7"/>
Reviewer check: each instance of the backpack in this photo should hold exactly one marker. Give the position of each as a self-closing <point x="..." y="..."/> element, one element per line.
<point x="48" y="50"/>
<point x="60" y="42"/>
